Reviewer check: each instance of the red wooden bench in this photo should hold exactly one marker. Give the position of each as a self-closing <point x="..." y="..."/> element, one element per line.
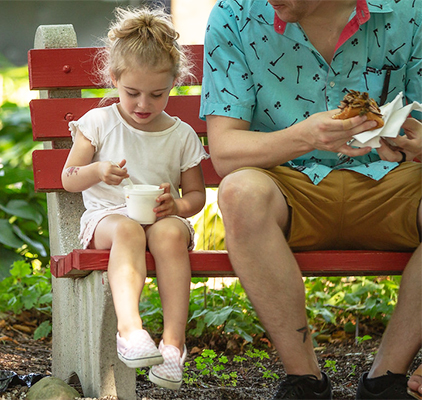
<point x="60" y="74"/>
<point x="71" y="68"/>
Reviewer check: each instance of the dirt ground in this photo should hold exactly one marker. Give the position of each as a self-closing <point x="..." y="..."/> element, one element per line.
<point x="339" y="356"/>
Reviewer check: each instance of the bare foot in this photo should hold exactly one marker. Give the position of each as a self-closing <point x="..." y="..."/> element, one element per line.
<point x="415" y="383"/>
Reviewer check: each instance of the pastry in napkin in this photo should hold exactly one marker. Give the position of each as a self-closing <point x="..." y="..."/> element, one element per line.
<point x="394" y="115"/>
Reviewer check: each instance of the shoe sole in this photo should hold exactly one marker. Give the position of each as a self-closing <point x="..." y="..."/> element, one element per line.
<point x="141" y="362"/>
<point x="164" y="382"/>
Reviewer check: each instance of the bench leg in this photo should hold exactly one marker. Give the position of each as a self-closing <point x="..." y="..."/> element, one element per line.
<point x="84" y="337"/>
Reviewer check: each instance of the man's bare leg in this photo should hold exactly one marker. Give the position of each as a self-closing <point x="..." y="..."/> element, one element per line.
<point x="403" y="336"/>
<point x="255" y="214"/>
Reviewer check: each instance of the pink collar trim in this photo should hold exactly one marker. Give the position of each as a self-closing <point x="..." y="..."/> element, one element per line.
<point x="362" y="15"/>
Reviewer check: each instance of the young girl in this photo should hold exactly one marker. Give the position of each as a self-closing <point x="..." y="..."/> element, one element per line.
<point x="136" y="137"/>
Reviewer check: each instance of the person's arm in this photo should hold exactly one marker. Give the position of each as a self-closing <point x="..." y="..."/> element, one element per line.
<point x="233" y="145"/>
<point x="193" y="195"/>
<point x="410" y="144"/>
<point x="80" y="174"/>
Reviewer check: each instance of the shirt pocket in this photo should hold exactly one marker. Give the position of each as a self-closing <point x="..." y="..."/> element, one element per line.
<point x="384" y="84"/>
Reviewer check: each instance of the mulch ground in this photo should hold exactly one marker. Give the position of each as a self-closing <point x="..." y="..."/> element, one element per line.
<point x="338" y="354"/>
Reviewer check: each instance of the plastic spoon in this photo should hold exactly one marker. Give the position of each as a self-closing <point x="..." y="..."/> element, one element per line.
<point x="127" y="179"/>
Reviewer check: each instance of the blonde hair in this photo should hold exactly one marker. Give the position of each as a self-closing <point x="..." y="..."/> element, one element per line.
<point x="141" y="37"/>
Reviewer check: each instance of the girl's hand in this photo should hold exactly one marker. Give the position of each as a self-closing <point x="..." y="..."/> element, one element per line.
<point x="112" y="173"/>
<point x="410" y="144"/>
<point x="167" y="205"/>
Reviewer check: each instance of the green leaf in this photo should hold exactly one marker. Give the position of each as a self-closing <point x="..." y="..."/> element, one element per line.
<point x="38" y="246"/>
<point x="22" y="209"/>
<point x="349" y="327"/>
<point x="20" y="269"/>
<point x="218" y="317"/>
<point x="10" y="176"/>
<point x="7" y="258"/>
<point x="7" y="237"/>
<point x="30" y="298"/>
<point x="43" y="330"/>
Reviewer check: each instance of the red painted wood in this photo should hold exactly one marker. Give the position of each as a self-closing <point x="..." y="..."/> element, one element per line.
<point x="50" y="117"/>
<point x="73" y="67"/>
<point x="48" y="164"/>
<point x="216" y="263"/>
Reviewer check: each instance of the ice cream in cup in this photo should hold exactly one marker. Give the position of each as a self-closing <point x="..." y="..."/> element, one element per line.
<point x="140" y="202"/>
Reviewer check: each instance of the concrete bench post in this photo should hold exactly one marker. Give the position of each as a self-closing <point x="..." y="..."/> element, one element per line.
<point x="84" y="321"/>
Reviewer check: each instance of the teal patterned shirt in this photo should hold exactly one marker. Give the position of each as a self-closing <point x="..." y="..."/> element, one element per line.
<point x="265" y="71"/>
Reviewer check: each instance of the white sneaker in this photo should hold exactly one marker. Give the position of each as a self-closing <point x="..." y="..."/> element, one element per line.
<point x="139" y="351"/>
<point x="169" y="374"/>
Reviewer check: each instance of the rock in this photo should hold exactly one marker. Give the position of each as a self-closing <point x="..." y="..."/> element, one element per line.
<point x="50" y="388"/>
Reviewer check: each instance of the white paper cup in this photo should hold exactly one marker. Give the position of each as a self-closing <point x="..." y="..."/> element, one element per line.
<point x="140" y="201"/>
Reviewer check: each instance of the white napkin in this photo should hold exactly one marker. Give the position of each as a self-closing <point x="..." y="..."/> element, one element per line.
<point x="394" y="115"/>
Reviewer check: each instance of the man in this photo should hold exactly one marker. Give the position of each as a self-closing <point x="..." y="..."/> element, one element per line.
<point x="274" y="75"/>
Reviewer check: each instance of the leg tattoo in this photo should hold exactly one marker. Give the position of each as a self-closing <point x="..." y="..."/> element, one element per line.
<point x="305" y="332"/>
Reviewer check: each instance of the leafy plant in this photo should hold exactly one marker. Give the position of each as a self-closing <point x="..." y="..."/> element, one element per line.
<point x="210" y="365"/>
<point x="26" y="289"/>
<point x="260" y="355"/>
<point x="338" y="300"/>
<point x="225" y="311"/>
<point x="360" y="340"/>
<point x="331" y="365"/>
<point x="23" y="213"/>
<point x="228" y="312"/>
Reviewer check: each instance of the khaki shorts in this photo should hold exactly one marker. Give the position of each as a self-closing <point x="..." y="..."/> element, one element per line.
<point x="348" y="210"/>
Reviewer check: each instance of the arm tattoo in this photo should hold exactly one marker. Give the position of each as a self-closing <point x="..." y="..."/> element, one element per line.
<point x="305" y="332"/>
<point x="71" y="170"/>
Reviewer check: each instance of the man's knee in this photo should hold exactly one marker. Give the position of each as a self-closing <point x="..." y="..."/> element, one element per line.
<point x="240" y="191"/>
<point x="250" y="197"/>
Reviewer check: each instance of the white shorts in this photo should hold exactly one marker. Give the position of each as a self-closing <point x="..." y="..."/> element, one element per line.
<point x="88" y="230"/>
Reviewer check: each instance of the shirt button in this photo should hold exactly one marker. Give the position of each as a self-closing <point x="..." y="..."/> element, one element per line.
<point x="332" y="84"/>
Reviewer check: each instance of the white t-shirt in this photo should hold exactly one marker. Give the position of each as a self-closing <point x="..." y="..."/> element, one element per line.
<point x="152" y="157"/>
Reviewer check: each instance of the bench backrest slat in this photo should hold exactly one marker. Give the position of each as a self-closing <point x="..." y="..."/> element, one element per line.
<point x="50" y="117"/>
<point x="48" y="165"/>
<point x="73" y="67"/>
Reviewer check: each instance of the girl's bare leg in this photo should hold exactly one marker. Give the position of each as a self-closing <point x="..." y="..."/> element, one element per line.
<point x="168" y="240"/>
<point x="126" y="268"/>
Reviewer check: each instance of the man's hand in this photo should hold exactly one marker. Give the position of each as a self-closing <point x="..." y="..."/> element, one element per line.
<point x="326" y="133"/>
<point x="410" y="144"/>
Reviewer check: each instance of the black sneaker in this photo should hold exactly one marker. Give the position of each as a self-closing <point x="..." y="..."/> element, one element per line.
<point x="396" y="388"/>
<point x="304" y="387"/>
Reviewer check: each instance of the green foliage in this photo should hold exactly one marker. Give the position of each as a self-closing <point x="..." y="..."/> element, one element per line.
<point x="362" y="339"/>
<point x="43" y="330"/>
<point x="212" y="368"/>
<point x="223" y="311"/>
<point x="210" y="365"/>
<point x="23" y="213"/>
<point x="331" y="365"/>
<point x="337" y="300"/>
<point x="260" y="355"/>
<point x="26" y="289"/>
